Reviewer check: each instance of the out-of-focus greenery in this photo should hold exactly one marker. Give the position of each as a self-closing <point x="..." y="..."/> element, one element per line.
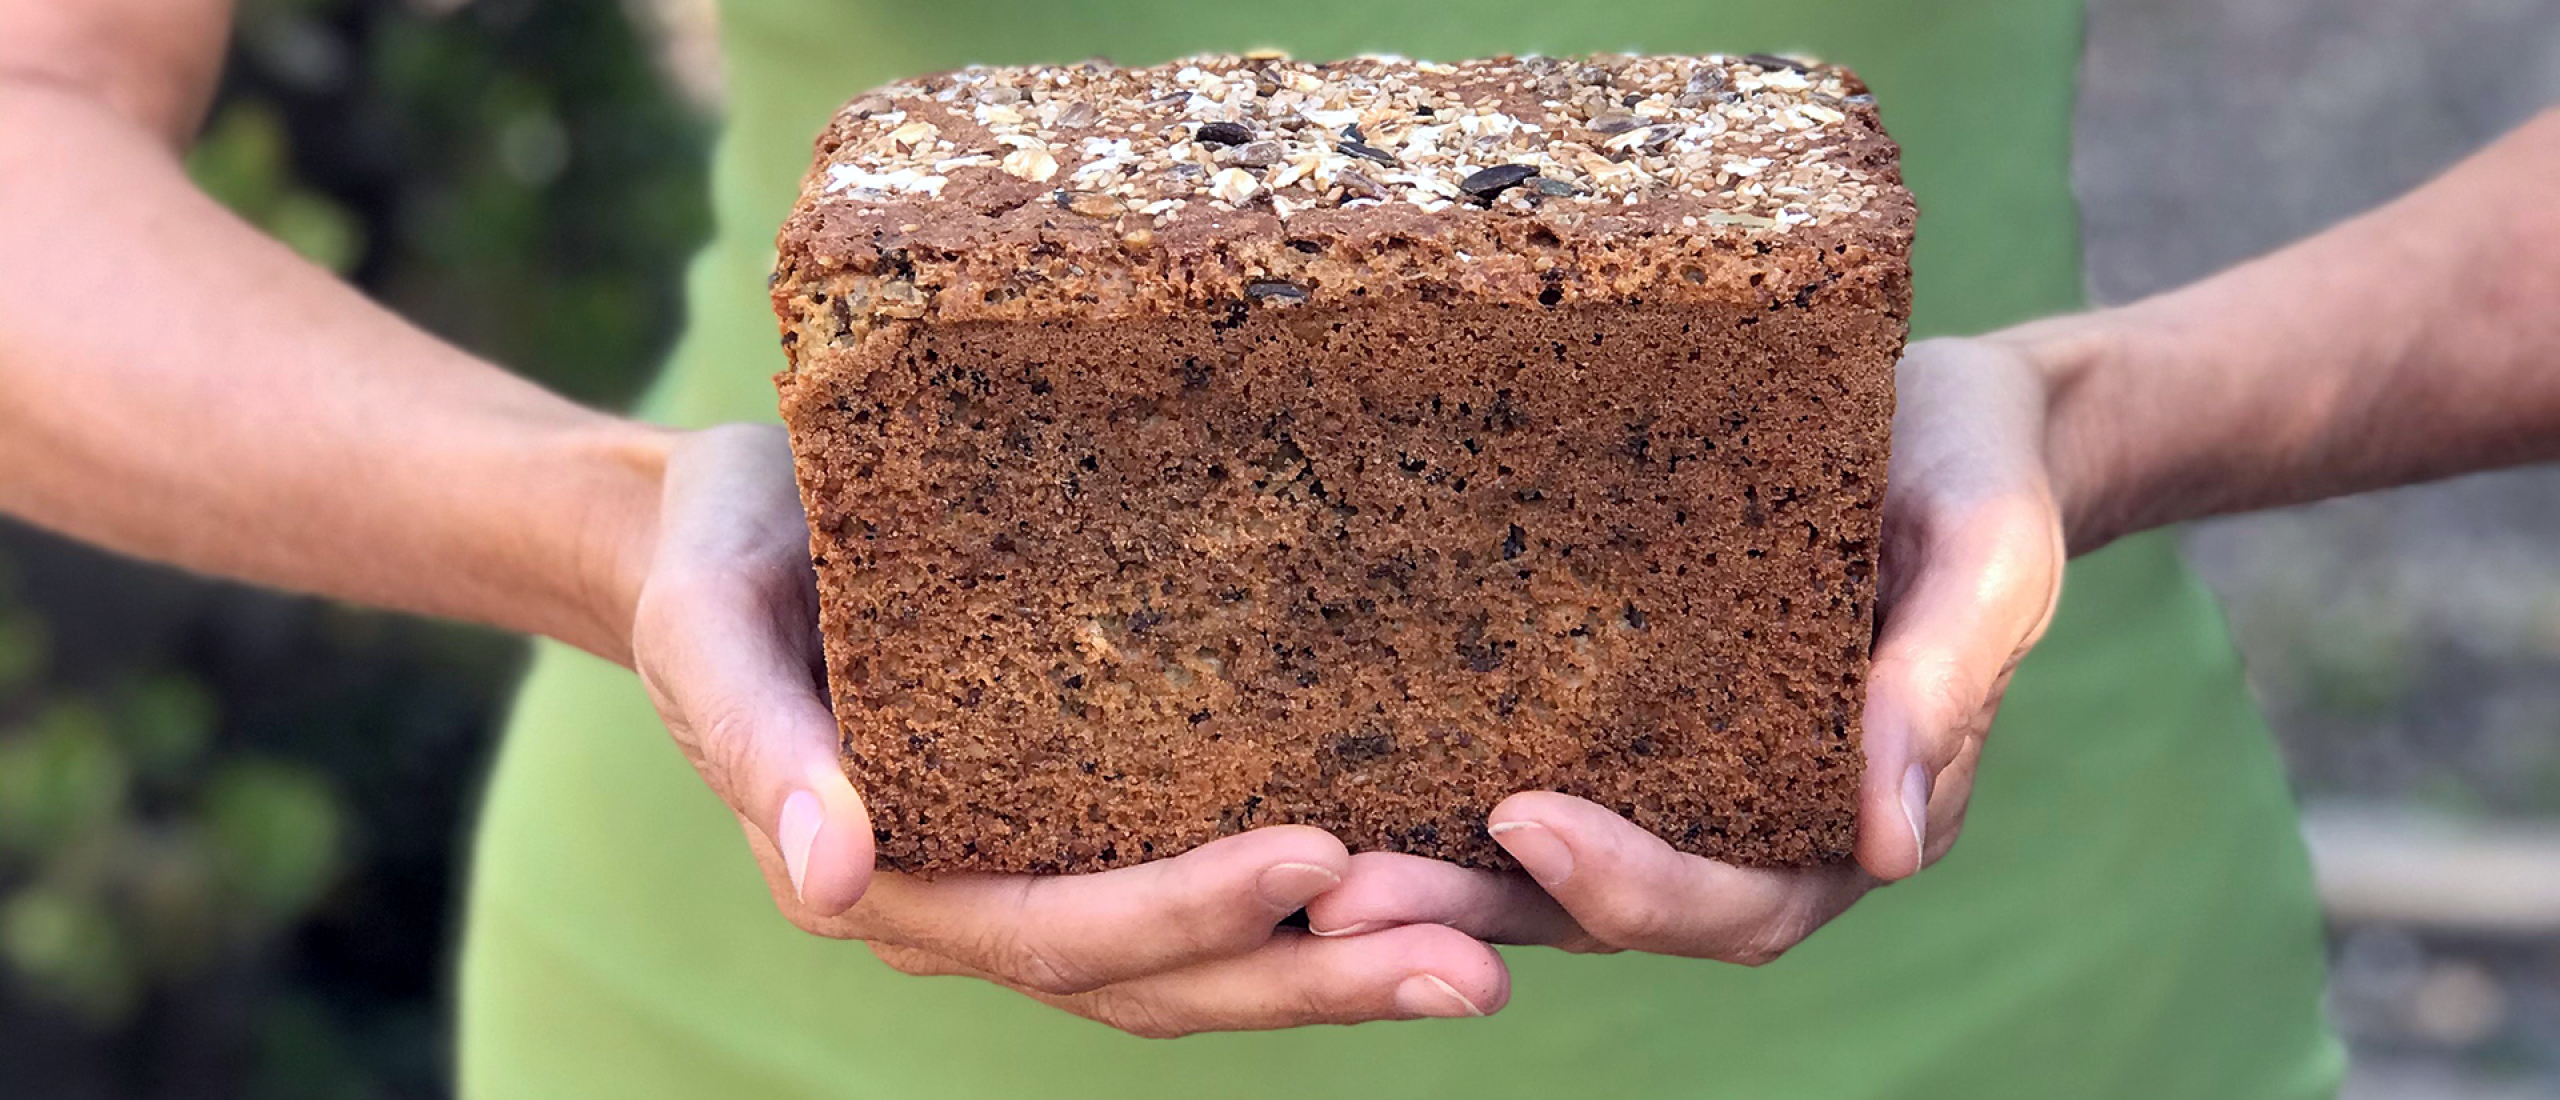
<point x="229" y="820"/>
<point x="240" y="160"/>
<point x="514" y="175"/>
<point x="135" y="853"/>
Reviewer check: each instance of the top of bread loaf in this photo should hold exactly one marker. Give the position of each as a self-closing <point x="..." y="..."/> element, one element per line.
<point x="1014" y="193"/>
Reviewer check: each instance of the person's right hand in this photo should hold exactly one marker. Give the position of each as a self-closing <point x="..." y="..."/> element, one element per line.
<point x="725" y="636"/>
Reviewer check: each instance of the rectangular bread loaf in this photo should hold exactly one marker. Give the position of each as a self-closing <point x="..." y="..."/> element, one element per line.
<point x="1244" y="441"/>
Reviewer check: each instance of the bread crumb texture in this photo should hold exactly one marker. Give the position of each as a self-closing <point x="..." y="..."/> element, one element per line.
<point x="1243" y="441"/>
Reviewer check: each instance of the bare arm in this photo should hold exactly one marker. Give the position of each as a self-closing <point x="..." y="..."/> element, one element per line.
<point x="176" y="386"/>
<point x="2418" y="341"/>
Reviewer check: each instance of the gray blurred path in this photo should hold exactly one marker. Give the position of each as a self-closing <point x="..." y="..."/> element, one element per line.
<point x="2406" y="644"/>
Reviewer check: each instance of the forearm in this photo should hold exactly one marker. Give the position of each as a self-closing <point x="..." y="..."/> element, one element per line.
<point x="176" y="386"/>
<point x="2418" y="341"/>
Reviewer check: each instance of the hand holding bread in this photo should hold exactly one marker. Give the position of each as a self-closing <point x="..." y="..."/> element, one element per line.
<point x="725" y="638"/>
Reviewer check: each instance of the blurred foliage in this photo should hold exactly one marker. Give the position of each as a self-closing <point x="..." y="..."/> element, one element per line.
<point x="513" y="175"/>
<point x="131" y="855"/>
<point x="240" y="161"/>
<point x="229" y="820"/>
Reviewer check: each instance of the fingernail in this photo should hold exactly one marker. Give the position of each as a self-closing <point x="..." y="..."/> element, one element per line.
<point x="1427" y="995"/>
<point x="1288" y="887"/>
<point x="1540" y="851"/>
<point x="801" y="816"/>
<point x="1353" y="930"/>
<point x="1915" y="809"/>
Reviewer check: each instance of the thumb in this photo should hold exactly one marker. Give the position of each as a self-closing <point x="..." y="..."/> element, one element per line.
<point x="725" y="637"/>
<point x="776" y="765"/>
<point x="743" y="701"/>
<point x="1984" y="585"/>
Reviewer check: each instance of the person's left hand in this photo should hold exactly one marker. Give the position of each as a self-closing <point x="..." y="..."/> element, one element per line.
<point x="1971" y="571"/>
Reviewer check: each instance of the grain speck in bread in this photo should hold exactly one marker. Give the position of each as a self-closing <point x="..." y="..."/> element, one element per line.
<point x="1243" y="441"/>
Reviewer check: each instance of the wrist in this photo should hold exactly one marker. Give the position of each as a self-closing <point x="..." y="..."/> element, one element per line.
<point x="2082" y="360"/>
<point x="607" y="524"/>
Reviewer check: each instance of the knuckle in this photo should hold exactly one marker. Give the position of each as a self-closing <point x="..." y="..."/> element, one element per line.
<point x="1942" y="692"/>
<point x="1942" y="840"/>
<point x="724" y="736"/>
<point x="1634" y="919"/>
<point x="1755" y="955"/>
<point x="906" y="960"/>
<point x="2022" y="514"/>
<point x="702" y="576"/>
<point x="652" y="615"/>
<point x="1583" y="942"/>
<point x="1313" y="1003"/>
<point x="1208" y="925"/>
<point x="1044" y="969"/>
<point x="1766" y="944"/>
<point x="1796" y="919"/>
<point x="1946" y="701"/>
<point x="813" y="925"/>
<point x="1133" y="1015"/>
<point x="671" y="595"/>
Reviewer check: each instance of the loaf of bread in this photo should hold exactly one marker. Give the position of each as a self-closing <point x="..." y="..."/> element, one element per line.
<point x="1245" y="441"/>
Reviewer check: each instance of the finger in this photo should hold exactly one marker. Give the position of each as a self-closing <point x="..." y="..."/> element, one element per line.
<point x="1389" y="889"/>
<point x="1980" y="588"/>
<point x="1633" y="891"/>
<point x="778" y="881"/>
<point x="725" y="639"/>
<point x="1072" y="933"/>
<point x="1294" y="980"/>
<point x="768" y="748"/>
<point x="766" y="745"/>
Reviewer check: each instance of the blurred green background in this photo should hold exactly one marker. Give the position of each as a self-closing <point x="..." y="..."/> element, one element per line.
<point x="228" y="819"/>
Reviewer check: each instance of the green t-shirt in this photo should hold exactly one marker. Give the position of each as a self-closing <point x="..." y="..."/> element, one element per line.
<point x="2128" y="914"/>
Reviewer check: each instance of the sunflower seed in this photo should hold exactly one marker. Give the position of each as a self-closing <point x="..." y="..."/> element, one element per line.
<point x="1366" y="151"/>
<point x="1485" y="183"/>
<point x="1773" y="61"/>
<point x="1223" y="133"/>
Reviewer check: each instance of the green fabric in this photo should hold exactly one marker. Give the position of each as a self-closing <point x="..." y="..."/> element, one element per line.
<point x="2128" y="915"/>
